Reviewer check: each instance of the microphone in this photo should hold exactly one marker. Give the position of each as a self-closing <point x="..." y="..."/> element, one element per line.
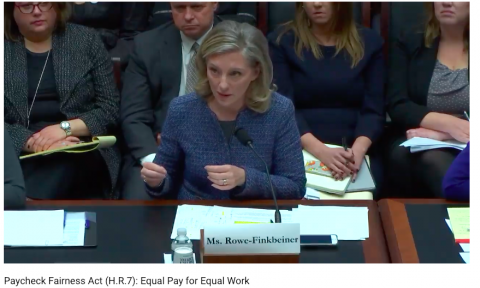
<point x="242" y="136"/>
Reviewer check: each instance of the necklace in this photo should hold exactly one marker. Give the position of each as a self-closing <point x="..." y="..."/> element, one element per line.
<point x="29" y="111"/>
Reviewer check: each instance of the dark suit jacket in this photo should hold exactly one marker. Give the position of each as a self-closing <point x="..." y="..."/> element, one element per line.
<point x="235" y="11"/>
<point x="85" y="86"/>
<point x="152" y="80"/>
<point x="13" y="183"/>
<point x="410" y="72"/>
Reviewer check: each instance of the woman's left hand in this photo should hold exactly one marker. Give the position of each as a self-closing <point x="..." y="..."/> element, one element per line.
<point x="42" y="140"/>
<point x="358" y="157"/>
<point x="225" y="177"/>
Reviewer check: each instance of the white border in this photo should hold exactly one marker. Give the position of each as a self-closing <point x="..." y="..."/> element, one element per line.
<point x="340" y="275"/>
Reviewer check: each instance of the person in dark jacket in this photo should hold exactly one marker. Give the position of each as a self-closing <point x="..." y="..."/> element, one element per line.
<point x="200" y="156"/>
<point x="456" y="183"/>
<point x="13" y="183"/>
<point x="116" y="22"/>
<point x="59" y="89"/>
<point x="243" y="12"/>
<point x="334" y="76"/>
<point x="428" y="96"/>
<point x="160" y="69"/>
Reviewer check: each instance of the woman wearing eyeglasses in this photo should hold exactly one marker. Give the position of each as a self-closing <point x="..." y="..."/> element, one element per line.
<point x="59" y="87"/>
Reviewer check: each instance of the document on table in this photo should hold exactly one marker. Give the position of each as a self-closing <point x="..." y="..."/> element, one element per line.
<point x="460" y="222"/>
<point x="33" y="228"/>
<point x="74" y="230"/>
<point x="195" y="217"/>
<point x="348" y="223"/>
<point x="192" y="218"/>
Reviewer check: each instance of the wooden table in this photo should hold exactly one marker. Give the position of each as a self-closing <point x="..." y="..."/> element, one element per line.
<point x="400" y="240"/>
<point x="374" y="248"/>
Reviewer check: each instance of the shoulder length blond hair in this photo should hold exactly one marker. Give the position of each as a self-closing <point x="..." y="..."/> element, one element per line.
<point x="432" y="29"/>
<point x="343" y="26"/>
<point x="230" y="36"/>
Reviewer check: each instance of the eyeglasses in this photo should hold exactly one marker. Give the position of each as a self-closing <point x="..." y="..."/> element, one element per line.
<point x="30" y="7"/>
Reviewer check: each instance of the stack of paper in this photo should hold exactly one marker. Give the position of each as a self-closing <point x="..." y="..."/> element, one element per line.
<point x="195" y="217"/>
<point x="348" y="223"/>
<point x="33" y="228"/>
<point x="43" y="228"/>
<point x="459" y="224"/>
<point x="418" y="144"/>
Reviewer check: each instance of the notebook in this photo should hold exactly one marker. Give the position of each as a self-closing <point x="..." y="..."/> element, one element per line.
<point x="325" y="183"/>
<point x="97" y="142"/>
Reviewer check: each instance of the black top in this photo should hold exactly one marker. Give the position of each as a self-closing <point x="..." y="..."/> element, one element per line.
<point x="410" y="74"/>
<point x="332" y="100"/>
<point x="228" y="128"/>
<point x="46" y="108"/>
<point x="13" y="183"/>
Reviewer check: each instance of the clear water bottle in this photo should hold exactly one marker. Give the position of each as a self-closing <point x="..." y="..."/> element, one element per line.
<point x="182" y="240"/>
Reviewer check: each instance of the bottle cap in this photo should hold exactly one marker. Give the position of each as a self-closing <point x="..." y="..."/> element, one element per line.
<point x="182" y="231"/>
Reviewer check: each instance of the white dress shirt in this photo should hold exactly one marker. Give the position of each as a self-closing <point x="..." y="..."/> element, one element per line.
<point x="187" y="44"/>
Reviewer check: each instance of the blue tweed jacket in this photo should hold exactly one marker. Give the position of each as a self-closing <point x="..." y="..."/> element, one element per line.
<point x="192" y="138"/>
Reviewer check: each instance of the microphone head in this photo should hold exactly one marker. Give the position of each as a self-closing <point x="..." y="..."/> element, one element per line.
<point x="243" y="137"/>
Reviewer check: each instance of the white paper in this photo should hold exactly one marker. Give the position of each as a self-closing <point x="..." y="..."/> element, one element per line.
<point x="192" y="218"/>
<point x="465" y="247"/>
<point x="247" y="215"/>
<point x="195" y="217"/>
<point x="74" y="230"/>
<point x="348" y="223"/>
<point x="418" y="144"/>
<point x="448" y="224"/>
<point x="465" y="257"/>
<point x="168" y="259"/>
<point x="33" y="228"/>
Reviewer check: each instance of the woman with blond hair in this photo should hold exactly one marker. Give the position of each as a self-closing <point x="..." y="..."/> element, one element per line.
<point x="428" y="96"/>
<point x="333" y="72"/>
<point x="199" y="156"/>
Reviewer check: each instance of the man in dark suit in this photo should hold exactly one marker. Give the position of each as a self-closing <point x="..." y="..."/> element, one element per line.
<point x="159" y="70"/>
<point x="235" y="11"/>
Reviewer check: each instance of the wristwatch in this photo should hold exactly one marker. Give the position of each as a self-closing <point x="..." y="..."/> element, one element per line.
<point x="65" y="125"/>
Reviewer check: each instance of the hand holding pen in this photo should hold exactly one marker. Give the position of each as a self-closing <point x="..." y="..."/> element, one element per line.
<point x="340" y="161"/>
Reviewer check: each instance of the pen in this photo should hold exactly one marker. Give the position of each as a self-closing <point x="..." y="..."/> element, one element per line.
<point x="466" y="115"/>
<point x="344" y="144"/>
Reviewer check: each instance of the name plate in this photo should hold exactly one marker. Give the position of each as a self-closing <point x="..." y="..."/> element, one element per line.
<point x="281" y="238"/>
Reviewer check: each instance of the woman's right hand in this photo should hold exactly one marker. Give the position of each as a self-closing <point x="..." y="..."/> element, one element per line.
<point x="338" y="160"/>
<point x="153" y="174"/>
<point x="460" y="130"/>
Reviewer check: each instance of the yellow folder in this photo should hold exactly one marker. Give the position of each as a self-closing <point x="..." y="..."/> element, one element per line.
<point x="97" y="142"/>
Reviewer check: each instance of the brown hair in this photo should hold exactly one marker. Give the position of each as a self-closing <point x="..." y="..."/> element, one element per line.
<point x="432" y="29"/>
<point x="343" y="25"/>
<point x="11" y="31"/>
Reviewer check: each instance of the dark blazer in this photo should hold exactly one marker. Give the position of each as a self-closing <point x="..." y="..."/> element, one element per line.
<point x="410" y="72"/>
<point x="13" y="183"/>
<point x="332" y="99"/>
<point x="152" y="81"/>
<point x="85" y="86"/>
<point x="193" y="138"/>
